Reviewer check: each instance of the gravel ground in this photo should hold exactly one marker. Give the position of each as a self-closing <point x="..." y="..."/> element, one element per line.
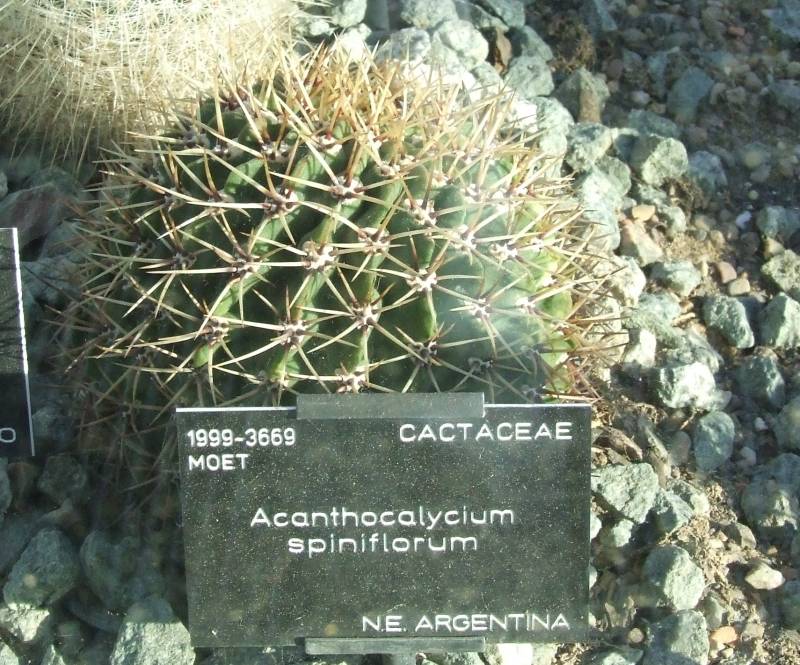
<point x="677" y="123"/>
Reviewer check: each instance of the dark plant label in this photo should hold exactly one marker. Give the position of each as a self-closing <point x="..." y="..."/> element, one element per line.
<point x="16" y="437"/>
<point x="356" y="521"/>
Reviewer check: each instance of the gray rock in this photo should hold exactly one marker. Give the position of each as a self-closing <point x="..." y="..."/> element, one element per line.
<point x="510" y="12"/>
<point x="707" y="172"/>
<point x="780" y="323"/>
<point x="647" y="122"/>
<point x="663" y="306"/>
<point x="787" y="425"/>
<point x="600" y="197"/>
<point x="627" y="281"/>
<point x="657" y="159"/>
<point x="762" y="577"/>
<point x="312" y="25"/>
<point x="584" y="95"/>
<point x="487" y="78"/>
<point x="617" y="171"/>
<point x="640" y="353"/>
<point x="63" y="478"/>
<point x="759" y="377"/>
<point x="15" y="533"/>
<point x="346" y="13"/>
<point x="696" y="498"/>
<point x="426" y="14"/>
<point x="785" y="470"/>
<point x="554" y="121"/>
<point x="152" y="635"/>
<point x="670" y="512"/>
<point x="680" y="276"/>
<point x="618" y="534"/>
<point x="713" y="440"/>
<point x="52" y="657"/>
<point x="784" y="22"/>
<point x="530" y="77"/>
<point x="778" y="222"/>
<point x="35" y="211"/>
<point x="46" y="571"/>
<point x="679" y="639"/>
<point x="25" y="622"/>
<point x="682" y="386"/>
<point x="771" y="508"/>
<point x="119" y="571"/>
<point x="684" y="98"/>
<point x="411" y="44"/>
<point x="635" y="242"/>
<point x="464" y="40"/>
<point x="594" y="526"/>
<point x="689" y="346"/>
<point x="790" y="604"/>
<point x="728" y="317"/>
<point x="629" y="489"/>
<point x="786" y="94"/>
<point x="597" y="17"/>
<point x="617" y="656"/>
<point x="478" y="16"/>
<point x="526" y="41"/>
<point x="677" y="579"/>
<point x="4" y="183"/>
<point x="783" y="272"/>
<point x="588" y="142"/>
<point x="5" y="489"/>
<point x="7" y="655"/>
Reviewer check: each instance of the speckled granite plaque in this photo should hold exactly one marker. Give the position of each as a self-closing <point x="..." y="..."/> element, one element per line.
<point x="16" y="439"/>
<point x="441" y="519"/>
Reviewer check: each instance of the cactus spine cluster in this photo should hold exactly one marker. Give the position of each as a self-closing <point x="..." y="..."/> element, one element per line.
<point x="340" y="227"/>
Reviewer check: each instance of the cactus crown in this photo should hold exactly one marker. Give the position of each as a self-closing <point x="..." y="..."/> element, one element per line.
<point x="340" y="227"/>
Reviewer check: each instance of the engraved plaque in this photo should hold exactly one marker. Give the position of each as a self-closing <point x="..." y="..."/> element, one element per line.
<point x="372" y="516"/>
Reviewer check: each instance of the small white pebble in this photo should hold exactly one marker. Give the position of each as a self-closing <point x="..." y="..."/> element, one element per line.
<point x="743" y="219"/>
<point x="760" y="424"/>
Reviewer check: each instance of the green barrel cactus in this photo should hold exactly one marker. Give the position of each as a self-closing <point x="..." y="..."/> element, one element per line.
<point x="341" y="227"/>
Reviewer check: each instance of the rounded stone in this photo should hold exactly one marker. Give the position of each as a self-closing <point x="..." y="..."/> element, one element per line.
<point x="713" y="440"/>
<point x="787" y="425"/>
<point x="677" y="579"/>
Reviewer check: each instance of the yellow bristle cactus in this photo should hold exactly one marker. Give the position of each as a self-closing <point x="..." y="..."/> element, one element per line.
<point x="339" y="227"/>
<point x="75" y="74"/>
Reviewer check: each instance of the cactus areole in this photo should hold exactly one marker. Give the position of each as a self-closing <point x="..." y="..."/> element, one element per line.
<point x="342" y="227"/>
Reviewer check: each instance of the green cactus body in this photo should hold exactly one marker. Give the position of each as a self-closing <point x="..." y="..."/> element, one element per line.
<point x="338" y="229"/>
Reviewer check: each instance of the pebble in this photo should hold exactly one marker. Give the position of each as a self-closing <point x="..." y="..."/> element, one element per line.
<point x="63" y="478"/>
<point x="725" y="271"/>
<point x="588" y="142"/>
<point x="637" y="243"/>
<point x="628" y="489"/>
<point x="677" y="579"/>
<point x="679" y="276"/>
<point x="530" y="77"/>
<point x="771" y="508"/>
<point x="640" y="352"/>
<point x="47" y="570"/>
<point x="27" y="623"/>
<point x="7" y="655"/>
<point x="670" y="512"/>
<point x="150" y="633"/>
<point x="686" y="94"/>
<point x="713" y="438"/>
<point x="779" y="323"/>
<point x="790" y="604"/>
<point x="643" y="212"/>
<point x="347" y="13"/>
<point x="463" y="39"/>
<point x="739" y="287"/>
<point x="619" y="655"/>
<point x="787" y="425"/>
<point x="722" y="636"/>
<point x="728" y="317"/>
<point x="657" y="159"/>
<point x="759" y="377"/>
<point x="783" y="272"/>
<point x="584" y="95"/>
<point x="679" y="639"/>
<point x="647" y="122"/>
<point x="762" y="577"/>
<point x="425" y="14"/>
<point x="690" y="385"/>
<point x="778" y="222"/>
<point x="510" y="12"/>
